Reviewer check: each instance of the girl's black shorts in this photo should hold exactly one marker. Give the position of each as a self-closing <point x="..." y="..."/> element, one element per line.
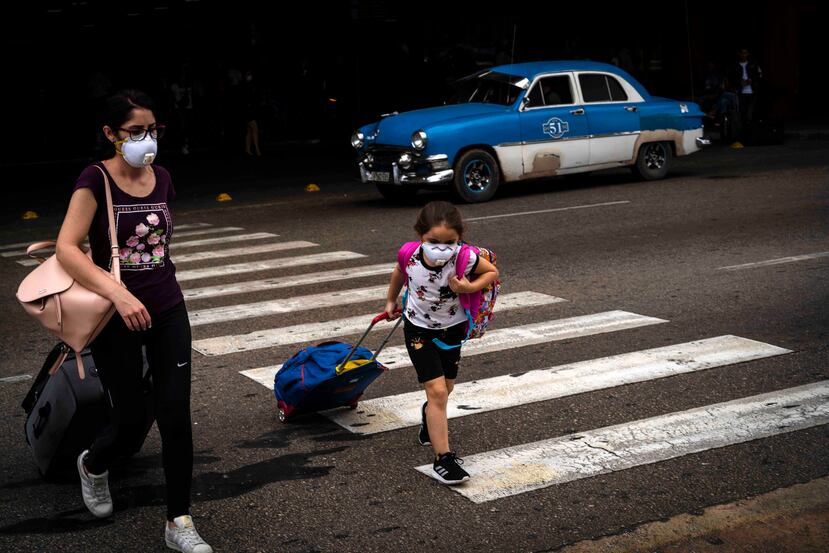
<point x="428" y="359"/>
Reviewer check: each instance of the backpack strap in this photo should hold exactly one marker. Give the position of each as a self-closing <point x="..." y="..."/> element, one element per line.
<point x="469" y="324"/>
<point x="466" y="300"/>
<point x="405" y="253"/>
<point x="463" y="259"/>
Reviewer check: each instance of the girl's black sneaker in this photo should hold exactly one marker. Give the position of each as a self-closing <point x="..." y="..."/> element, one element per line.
<point x="423" y="436"/>
<point x="448" y="470"/>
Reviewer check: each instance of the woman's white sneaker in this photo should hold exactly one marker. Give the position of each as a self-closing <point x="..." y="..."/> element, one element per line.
<point x="95" y="490"/>
<point x="184" y="536"/>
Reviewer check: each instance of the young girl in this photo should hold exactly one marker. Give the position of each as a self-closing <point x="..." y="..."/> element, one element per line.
<point x="432" y="310"/>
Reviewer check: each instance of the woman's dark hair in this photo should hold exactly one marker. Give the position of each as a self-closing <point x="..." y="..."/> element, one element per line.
<point x="119" y="107"/>
<point x="439" y="213"/>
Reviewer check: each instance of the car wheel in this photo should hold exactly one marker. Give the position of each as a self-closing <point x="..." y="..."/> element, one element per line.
<point x="476" y="177"/>
<point x="395" y="193"/>
<point x="653" y="161"/>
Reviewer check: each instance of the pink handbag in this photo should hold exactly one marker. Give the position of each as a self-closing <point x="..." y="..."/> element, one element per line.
<point x="61" y="304"/>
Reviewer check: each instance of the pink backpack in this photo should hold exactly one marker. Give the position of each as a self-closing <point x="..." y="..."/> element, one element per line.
<point x="477" y="305"/>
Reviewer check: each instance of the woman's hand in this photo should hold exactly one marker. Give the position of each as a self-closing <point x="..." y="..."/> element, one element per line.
<point x="462" y="285"/>
<point x="133" y="312"/>
<point x="392" y="310"/>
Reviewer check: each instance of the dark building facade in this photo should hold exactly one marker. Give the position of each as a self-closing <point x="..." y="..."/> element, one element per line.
<point x="326" y="67"/>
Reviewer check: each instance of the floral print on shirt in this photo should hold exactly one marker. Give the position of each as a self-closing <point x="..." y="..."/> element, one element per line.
<point x="433" y="304"/>
<point x="146" y="246"/>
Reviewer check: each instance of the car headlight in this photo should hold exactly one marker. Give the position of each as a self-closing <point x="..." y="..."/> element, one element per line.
<point x="405" y="161"/>
<point x="358" y="139"/>
<point x="419" y="140"/>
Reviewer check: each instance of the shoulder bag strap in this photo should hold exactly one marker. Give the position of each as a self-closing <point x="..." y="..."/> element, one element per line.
<point x="115" y="254"/>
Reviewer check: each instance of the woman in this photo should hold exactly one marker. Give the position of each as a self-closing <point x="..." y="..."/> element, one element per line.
<point x="150" y="308"/>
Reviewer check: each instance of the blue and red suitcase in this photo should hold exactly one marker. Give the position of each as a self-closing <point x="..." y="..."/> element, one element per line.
<point x="328" y="375"/>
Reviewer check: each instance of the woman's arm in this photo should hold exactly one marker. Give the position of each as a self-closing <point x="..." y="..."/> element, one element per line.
<point x="395" y="285"/>
<point x="74" y="230"/>
<point x="486" y="274"/>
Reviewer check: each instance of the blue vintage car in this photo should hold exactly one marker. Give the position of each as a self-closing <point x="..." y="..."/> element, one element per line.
<point x="524" y="121"/>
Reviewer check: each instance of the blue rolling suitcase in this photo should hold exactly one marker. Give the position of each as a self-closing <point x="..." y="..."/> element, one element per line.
<point x="328" y="375"/>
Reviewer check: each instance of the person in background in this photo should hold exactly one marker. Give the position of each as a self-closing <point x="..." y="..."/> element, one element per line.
<point x="746" y="78"/>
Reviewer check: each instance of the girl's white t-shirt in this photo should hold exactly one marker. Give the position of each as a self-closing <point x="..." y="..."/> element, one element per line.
<point x="431" y="303"/>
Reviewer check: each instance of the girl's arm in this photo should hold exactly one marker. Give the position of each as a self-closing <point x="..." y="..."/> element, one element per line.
<point x="486" y="274"/>
<point x="79" y="215"/>
<point x="395" y="285"/>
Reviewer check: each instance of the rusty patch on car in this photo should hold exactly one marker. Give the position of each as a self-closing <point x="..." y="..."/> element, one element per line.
<point x="545" y="164"/>
<point x="659" y="136"/>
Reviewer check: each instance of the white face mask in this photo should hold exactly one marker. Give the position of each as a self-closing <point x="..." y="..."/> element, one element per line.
<point x="138" y="154"/>
<point x="439" y="254"/>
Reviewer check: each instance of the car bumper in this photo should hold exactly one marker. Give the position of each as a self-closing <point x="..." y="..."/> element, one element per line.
<point x="702" y="141"/>
<point x="399" y="177"/>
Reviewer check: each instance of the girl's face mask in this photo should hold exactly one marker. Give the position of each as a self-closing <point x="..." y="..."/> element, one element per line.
<point x="439" y="254"/>
<point x="140" y="153"/>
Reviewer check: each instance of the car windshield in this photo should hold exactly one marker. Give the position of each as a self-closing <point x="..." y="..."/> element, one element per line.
<point x="487" y="87"/>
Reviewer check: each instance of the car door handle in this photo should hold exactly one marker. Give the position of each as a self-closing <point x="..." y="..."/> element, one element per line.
<point x="577" y="111"/>
<point x="631" y="109"/>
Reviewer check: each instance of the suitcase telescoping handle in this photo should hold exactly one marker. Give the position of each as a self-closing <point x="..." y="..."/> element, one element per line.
<point x="381" y="317"/>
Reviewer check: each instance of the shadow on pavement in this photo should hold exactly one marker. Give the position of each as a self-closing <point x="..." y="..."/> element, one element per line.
<point x="207" y="486"/>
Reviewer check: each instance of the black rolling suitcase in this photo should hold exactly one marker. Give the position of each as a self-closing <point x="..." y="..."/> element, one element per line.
<point x="65" y="413"/>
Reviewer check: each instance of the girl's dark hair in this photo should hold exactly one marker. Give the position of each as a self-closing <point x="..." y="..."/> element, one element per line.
<point x="119" y="107"/>
<point x="439" y="213"/>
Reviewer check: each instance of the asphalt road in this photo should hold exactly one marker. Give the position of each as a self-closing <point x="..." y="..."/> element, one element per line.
<point x="675" y="251"/>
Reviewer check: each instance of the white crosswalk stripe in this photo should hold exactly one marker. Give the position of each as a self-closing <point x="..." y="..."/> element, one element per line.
<point x="506" y="338"/>
<point x="514" y="470"/>
<point x="178" y="234"/>
<point x="524" y="467"/>
<point x="176" y="246"/>
<point x="501" y="392"/>
<point x="238" y="252"/>
<point x="15" y="379"/>
<point x="19" y="253"/>
<point x="180" y="259"/>
<point x="268" y="264"/>
<point x="25" y="245"/>
<point x="287" y="305"/>
<point x="286" y="282"/>
<point x="331" y="329"/>
<point x="193" y="225"/>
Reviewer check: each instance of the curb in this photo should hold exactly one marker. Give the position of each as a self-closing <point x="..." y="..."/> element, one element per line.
<point x="806" y="135"/>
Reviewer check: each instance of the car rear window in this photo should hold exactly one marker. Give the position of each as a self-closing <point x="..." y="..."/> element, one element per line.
<point x="617" y="93"/>
<point x="601" y="88"/>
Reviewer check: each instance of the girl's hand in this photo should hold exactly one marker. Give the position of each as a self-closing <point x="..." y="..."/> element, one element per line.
<point x="461" y="286"/>
<point x="391" y="310"/>
<point x="133" y="312"/>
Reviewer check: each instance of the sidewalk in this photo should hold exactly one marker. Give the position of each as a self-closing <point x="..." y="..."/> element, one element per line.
<point x="198" y="178"/>
<point x="806" y="130"/>
<point x="796" y="131"/>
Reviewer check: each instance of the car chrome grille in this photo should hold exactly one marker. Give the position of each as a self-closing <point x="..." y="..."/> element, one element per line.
<point x="385" y="156"/>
